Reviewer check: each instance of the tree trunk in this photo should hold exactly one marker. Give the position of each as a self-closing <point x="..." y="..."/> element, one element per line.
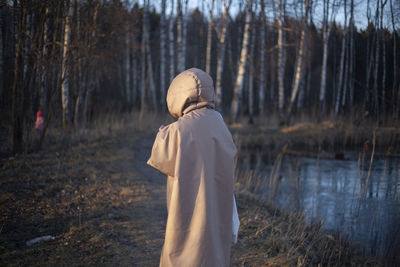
<point x="281" y="62"/>
<point x="17" y="89"/>
<point x="396" y="104"/>
<point x="64" y="75"/>
<point x="43" y="72"/>
<point x="221" y="54"/>
<point x="352" y="57"/>
<point x="342" y="60"/>
<point x="375" y="103"/>
<point x="261" y="86"/>
<point x="382" y="34"/>
<point x="163" y="55"/>
<point x="326" y="33"/>
<point x="127" y="67"/>
<point x="253" y="33"/>
<point x="299" y="64"/>
<point x="171" y="44"/>
<point x="238" y="89"/>
<point x="209" y="39"/>
<point x="182" y="66"/>
<point x="143" y="65"/>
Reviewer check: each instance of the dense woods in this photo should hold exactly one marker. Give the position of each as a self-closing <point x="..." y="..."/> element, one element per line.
<point x="76" y="59"/>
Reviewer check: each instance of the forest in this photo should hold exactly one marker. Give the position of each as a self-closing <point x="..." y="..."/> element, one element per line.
<point x="309" y="89"/>
<point x="76" y="59"/>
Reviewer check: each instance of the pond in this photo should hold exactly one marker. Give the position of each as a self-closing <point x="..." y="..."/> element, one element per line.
<point x="350" y="196"/>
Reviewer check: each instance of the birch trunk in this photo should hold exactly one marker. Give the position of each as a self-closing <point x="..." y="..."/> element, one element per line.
<point x="171" y="44"/>
<point x="299" y="64"/>
<point x="326" y="33"/>
<point x="163" y="55"/>
<point x="281" y="62"/>
<point x="238" y="89"/>
<point x="221" y="54"/>
<point x="342" y="60"/>
<point x="261" y="86"/>
<point x="209" y="39"/>
<point x="64" y="76"/>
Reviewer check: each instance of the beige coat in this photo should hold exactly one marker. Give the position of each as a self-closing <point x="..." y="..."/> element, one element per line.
<point x="197" y="153"/>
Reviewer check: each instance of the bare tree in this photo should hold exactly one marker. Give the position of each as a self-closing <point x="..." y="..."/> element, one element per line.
<point x="299" y="73"/>
<point x="261" y="85"/>
<point x="342" y="62"/>
<point x="64" y="66"/>
<point x="171" y="43"/>
<point x="221" y="51"/>
<point x="281" y="59"/>
<point x="326" y="31"/>
<point x="238" y="89"/>
<point x="209" y="38"/>
<point x="163" y="54"/>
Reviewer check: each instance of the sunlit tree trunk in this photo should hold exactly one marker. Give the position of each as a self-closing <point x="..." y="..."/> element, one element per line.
<point x="261" y="86"/>
<point x="238" y="89"/>
<point x="221" y="53"/>
<point x="171" y="44"/>
<point x="281" y="61"/>
<point x="163" y="59"/>
<point x="299" y="64"/>
<point x="64" y="67"/>
<point x="209" y="38"/>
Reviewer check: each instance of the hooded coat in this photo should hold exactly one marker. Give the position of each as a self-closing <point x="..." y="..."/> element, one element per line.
<point x="197" y="153"/>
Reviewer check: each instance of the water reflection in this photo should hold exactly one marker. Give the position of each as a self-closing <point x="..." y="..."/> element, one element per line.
<point x="349" y="196"/>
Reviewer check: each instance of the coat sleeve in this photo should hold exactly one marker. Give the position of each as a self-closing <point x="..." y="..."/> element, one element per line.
<point x="165" y="148"/>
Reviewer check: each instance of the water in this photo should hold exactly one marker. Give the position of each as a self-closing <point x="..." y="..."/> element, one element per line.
<point x="348" y="198"/>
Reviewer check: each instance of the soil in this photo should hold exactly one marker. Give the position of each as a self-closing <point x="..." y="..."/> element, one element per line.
<point x="98" y="203"/>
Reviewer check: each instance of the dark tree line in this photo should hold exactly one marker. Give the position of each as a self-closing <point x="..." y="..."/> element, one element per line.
<point x="75" y="59"/>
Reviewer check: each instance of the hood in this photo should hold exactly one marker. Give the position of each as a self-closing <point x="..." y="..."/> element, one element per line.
<point x="191" y="89"/>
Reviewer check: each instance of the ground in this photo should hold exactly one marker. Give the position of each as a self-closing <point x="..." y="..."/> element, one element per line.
<point x="102" y="205"/>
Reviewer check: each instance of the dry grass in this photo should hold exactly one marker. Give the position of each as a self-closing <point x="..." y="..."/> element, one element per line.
<point x="269" y="237"/>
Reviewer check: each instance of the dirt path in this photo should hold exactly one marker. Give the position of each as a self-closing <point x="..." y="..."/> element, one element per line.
<point x="100" y="201"/>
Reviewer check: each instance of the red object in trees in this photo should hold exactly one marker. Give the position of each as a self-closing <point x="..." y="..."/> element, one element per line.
<point x="39" y="121"/>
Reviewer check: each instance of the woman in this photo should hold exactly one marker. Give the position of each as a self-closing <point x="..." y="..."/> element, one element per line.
<point x="197" y="153"/>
